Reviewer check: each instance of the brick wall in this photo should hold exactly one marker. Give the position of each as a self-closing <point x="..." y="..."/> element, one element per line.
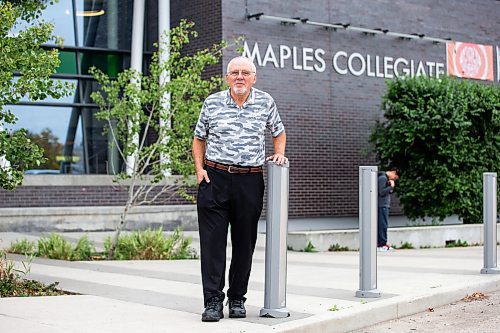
<point x="328" y="116"/>
<point x="74" y="196"/>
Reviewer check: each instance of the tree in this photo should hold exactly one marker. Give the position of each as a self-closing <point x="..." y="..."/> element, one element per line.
<point x="132" y="106"/>
<point x="443" y="134"/>
<point x="51" y="146"/>
<point x="23" y="55"/>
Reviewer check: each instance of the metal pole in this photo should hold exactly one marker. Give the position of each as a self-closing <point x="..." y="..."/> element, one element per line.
<point x="490" y="223"/>
<point x="136" y="62"/>
<point x="368" y="197"/>
<point x="276" y="233"/>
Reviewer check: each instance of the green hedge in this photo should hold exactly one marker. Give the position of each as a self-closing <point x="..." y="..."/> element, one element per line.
<point x="443" y="134"/>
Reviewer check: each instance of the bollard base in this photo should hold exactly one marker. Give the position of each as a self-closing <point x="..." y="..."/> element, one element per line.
<point x="374" y="293"/>
<point x="275" y="313"/>
<point x="494" y="270"/>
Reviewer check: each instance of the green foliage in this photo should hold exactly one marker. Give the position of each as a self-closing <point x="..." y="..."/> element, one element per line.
<point x="56" y="247"/>
<point x="405" y="245"/>
<point x="334" y="308"/>
<point x="151" y="245"/>
<point x="456" y="243"/>
<point x="22" y="54"/>
<point x="22" y="246"/>
<point x="310" y="247"/>
<point x="13" y="283"/>
<point x="337" y="248"/>
<point x="133" y="105"/>
<point x="443" y="134"/>
<point x="150" y="118"/>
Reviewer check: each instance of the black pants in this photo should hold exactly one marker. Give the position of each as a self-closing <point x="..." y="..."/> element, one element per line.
<point x="229" y="199"/>
<point x="383" y="223"/>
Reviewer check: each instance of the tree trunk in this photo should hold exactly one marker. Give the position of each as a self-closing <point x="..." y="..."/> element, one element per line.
<point x="119" y="228"/>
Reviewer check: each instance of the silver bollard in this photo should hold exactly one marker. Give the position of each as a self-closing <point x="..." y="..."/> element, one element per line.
<point x="368" y="196"/>
<point x="276" y="233"/>
<point x="490" y="223"/>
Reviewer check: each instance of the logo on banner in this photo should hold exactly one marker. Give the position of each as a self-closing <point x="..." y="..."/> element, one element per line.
<point x="472" y="61"/>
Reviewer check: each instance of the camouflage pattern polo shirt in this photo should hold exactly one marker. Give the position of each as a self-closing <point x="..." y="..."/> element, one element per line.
<point x="236" y="136"/>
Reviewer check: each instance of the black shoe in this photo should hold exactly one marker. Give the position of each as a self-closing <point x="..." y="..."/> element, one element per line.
<point x="237" y="308"/>
<point x="213" y="310"/>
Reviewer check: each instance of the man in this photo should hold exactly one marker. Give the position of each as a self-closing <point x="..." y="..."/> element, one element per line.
<point x="228" y="152"/>
<point x="386" y="183"/>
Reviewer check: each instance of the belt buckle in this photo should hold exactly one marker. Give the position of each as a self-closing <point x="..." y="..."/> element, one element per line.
<point x="229" y="169"/>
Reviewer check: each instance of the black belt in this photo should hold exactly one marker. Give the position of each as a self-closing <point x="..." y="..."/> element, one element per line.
<point x="233" y="168"/>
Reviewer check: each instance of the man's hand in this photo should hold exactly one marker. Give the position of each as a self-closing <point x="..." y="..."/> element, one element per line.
<point x="278" y="158"/>
<point x="392" y="183"/>
<point x="202" y="174"/>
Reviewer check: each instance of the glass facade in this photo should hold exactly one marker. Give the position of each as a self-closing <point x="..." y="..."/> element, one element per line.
<point x="95" y="33"/>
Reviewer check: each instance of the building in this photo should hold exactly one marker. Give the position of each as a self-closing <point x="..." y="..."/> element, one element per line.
<point x="325" y="62"/>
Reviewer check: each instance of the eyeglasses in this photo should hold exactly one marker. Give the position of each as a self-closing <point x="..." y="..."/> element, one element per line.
<point x="244" y="73"/>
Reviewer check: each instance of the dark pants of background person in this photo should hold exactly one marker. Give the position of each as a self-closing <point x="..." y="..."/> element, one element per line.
<point x="234" y="199"/>
<point x="383" y="223"/>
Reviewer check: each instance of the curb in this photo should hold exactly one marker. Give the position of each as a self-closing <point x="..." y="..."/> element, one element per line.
<point x="388" y="309"/>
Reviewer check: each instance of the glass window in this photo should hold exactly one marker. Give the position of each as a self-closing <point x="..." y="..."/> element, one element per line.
<point x="68" y="63"/>
<point x="58" y="131"/>
<point x="110" y="64"/>
<point x="105" y="24"/>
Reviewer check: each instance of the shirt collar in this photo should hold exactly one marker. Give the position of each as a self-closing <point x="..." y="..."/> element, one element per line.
<point x="250" y="99"/>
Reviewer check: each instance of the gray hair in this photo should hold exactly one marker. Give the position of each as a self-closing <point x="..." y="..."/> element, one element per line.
<point x="254" y="69"/>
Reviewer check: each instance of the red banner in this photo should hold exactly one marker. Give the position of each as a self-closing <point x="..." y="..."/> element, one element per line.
<point x="472" y="61"/>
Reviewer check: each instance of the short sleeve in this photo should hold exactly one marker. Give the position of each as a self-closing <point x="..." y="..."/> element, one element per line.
<point x="201" y="130"/>
<point x="274" y="123"/>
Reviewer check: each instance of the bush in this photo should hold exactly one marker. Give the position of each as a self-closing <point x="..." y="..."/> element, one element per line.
<point x="151" y="245"/>
<point x="56" y="247"/>
<point x="443" y="134"/>
<point x="23" y="246"/>
<point x="12" y="282"/>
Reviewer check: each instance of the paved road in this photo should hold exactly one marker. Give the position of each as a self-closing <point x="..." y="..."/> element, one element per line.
<point x="474" y="314"/>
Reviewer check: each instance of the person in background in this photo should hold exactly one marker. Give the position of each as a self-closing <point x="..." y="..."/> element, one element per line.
<point x="228" y="152"/>
<point x="386" y="184"/>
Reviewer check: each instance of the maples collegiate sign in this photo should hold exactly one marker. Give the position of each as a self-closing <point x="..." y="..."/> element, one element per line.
<point x="472" y="61"/>
<point x="342" y="62"/>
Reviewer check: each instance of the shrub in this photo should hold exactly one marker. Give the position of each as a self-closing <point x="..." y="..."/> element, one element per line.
<point x="13" y="283"/>
<point x="442" y="134"/>
<point x="22" y="246"/>
<point x="54" y="247"/>
<point x="151" y="245"/>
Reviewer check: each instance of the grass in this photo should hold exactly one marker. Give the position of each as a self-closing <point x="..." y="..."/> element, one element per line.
<point x="334" y="308"/>
<point x="152" y="245"/>
<point x="456" y="243"/>
<point x="337" y="248"/>
<point x="140" y="245"/>
<point x="405" y="245"/>
<point x="13" y="282"/>
<point x="310" y="247"/>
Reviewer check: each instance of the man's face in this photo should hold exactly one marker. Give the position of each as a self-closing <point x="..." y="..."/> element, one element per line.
<point x="240" y="77"/>
<point x="392" y="175"/>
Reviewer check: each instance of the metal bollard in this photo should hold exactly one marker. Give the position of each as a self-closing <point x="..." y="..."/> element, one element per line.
<point x="276" y="233"/>
<point x="490" y="223"/>
<point x="368" y="196"/>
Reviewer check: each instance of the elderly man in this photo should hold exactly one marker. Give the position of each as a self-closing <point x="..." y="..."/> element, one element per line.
<point x="228" y="152"/>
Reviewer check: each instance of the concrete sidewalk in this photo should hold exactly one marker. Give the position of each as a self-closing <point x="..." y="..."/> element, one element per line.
<point x="166" y="296"/>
